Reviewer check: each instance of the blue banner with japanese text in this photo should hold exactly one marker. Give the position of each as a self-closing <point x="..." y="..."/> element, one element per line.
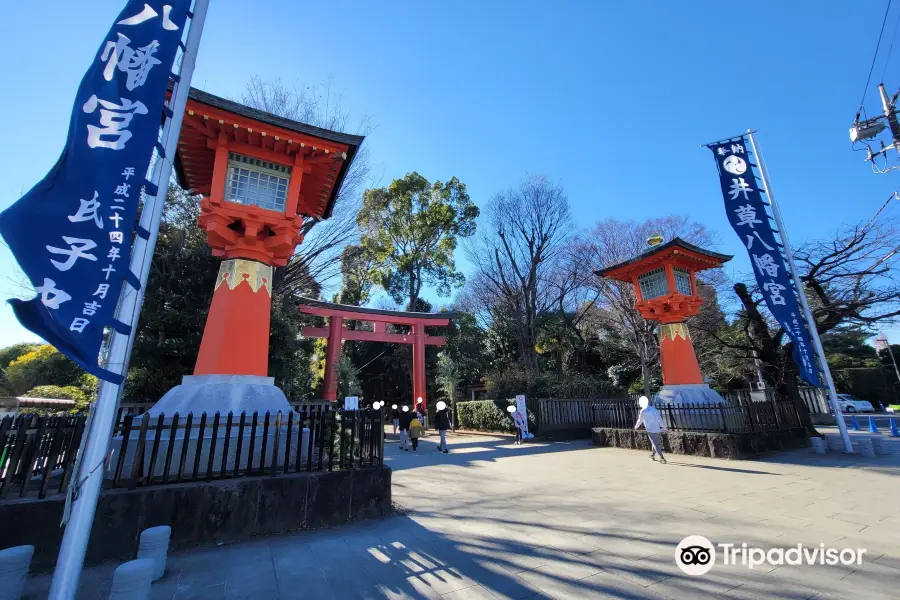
<point x="72" y="232"/>
<point x="748" y="217"/>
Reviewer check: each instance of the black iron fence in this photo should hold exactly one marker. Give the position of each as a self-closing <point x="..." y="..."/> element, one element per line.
<point x="160" y="450"/>
<point x="705" y="418"/>
<point x="37" y="454"/>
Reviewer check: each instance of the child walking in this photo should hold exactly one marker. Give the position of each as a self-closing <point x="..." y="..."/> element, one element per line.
<point x="415" y="431"/>
<point x="653" y="422"/>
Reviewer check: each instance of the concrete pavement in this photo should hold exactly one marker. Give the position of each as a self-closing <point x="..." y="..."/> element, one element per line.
<point x="566" y="520"/>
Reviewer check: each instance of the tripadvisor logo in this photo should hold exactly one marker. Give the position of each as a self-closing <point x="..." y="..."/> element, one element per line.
<point x="696" y="555"/>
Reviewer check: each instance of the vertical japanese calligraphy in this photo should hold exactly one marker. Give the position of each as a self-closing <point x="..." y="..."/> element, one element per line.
<point x="748" y="217"/>
<point x="72" y="232"/>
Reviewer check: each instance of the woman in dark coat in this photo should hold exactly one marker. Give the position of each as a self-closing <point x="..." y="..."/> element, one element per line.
<point x="406" y="417"/>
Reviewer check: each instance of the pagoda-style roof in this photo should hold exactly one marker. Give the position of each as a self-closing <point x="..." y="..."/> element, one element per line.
<point x="325" y="155"/>
<point x="676" y="251"/>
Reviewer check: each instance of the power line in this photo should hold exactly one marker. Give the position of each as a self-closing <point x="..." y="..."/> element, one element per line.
<point x="883" y="206"/>
<point x="890" y="48"/>
<point x="872" y="67"/>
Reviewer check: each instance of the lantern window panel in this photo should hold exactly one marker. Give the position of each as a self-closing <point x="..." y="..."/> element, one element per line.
<point x="683" y="281"/>
<point x="256" y="182"/>
<point x="653" y="284"/>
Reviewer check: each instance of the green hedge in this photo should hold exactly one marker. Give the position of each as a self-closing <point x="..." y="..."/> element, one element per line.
<point x="490" y="415"/>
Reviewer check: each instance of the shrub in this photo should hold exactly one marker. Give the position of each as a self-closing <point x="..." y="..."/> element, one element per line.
<point x="572" y="385"/>
<point x="489" y="415"/>
<point x="42" y="366"/>
<point x="579" y="386"/>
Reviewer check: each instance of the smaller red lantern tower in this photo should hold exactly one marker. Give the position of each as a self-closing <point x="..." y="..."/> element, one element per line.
<point x="666" y="291"/>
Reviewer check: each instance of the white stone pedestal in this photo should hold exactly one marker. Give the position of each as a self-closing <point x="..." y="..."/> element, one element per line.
<point x="682" y="398"/>
<point x="222" y="393"/>
<point x="698" y="393"/>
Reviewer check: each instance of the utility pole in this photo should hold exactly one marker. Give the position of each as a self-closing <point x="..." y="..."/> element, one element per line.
<point x="882" y="341"/>
<point x="868" y="129"/>
<point x="891" y="115"/>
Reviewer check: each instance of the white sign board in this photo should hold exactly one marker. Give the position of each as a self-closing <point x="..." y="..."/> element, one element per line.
<point x="523" y="410"/>
<point x="351" y="403"/>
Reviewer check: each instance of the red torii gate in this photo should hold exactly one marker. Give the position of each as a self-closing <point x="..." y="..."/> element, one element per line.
<point x="335" y="332"/>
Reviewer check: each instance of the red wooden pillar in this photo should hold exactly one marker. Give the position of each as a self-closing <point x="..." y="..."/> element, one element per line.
<point x="236" y="336"/>
<point x="676" y="350"/>
<point x="418" y="333"/>
<point x="333" y="357"/>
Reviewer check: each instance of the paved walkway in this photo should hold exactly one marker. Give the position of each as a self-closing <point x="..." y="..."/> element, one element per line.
<point x="566" y="520"/>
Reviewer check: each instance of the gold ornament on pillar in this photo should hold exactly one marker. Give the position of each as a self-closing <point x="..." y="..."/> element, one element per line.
<point x="236" y="271"/>
<point x="673" y="331"/>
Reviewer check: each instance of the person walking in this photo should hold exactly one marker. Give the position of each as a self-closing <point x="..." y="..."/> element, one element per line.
<point x="395" y="417"/>
<point x="415" y="432"/>
<point x="404" y="421"/>
<point x="442" y="424"/>
<point x="420" y="412"/>
<point x="653" y="422"/>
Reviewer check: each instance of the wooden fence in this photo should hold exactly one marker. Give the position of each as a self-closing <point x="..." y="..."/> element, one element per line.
<point x="557" y="415"/>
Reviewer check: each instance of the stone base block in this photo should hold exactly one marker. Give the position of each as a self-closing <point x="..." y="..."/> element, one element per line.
<point x="730" y="446"/>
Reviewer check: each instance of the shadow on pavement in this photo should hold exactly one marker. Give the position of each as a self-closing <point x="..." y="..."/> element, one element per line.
<point x="467" y="449"/>
<point x="728" y="469"/>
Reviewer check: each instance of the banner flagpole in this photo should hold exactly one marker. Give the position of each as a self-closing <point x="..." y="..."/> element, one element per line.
<point x="801" y="296"/>
<point x="85" y="487"/>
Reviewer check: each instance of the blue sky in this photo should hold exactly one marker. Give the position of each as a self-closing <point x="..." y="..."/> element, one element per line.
<point x="613" y="99"/>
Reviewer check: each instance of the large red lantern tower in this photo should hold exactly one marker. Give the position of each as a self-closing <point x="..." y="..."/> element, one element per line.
<point x="259" y="175"/>
<point x="665" y="289"/>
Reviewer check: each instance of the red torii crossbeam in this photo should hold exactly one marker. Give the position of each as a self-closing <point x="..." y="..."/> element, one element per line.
<point x="335" y="333"/>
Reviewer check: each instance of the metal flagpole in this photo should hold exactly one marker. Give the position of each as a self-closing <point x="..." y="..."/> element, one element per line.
<point x="810" y="322"/>
<point x="89" y="477"/>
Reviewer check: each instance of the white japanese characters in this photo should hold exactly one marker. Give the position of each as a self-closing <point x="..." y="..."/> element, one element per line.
<point x="115" y="118"/>
<point x="78" y="248"/>
<point x="746" y="211"/>
<point x="88" y="211"/>
<point x="50" y="296"/>
<point x="135" y="63"/>
<point x="120" y="103"/>
<point x="738" y="187"/>
<point x="766" y="264"/>
<point x="148" y="13"/>
<point x="746" y="215"/>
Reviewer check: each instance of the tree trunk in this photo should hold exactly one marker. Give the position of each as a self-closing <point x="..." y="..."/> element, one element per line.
<point x="789" y="389"/>
<point x="645" y="374"/>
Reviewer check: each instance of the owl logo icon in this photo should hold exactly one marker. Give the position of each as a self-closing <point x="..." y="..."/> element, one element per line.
<point x="695" y="555"/>
<point x="735" y="165"/>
